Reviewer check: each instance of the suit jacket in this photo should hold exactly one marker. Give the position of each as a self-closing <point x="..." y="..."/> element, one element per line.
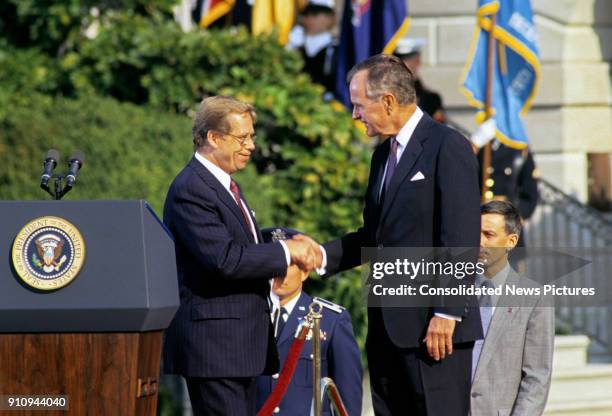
<point x="222" y="327"/>
<point x="340" y="360"/>
<point x="441" y="210"/>
<point x="515" y="366"/>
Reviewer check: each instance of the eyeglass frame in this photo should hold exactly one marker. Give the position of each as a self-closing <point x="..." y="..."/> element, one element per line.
<point x="241" y="139"/>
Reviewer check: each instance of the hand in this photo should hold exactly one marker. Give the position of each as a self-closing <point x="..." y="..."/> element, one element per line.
<point x="439" y="337"/>
<point x="305" y="253"/>
<point x="318" y="254"/>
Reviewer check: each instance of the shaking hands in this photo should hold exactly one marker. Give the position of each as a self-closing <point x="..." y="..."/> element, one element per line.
<point x="305" y="252"/>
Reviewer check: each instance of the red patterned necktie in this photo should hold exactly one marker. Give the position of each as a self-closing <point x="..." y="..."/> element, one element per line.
<point x="236" y="192"/>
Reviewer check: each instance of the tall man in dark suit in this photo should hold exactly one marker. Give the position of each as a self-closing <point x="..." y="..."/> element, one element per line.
<point x="221" y="336"/>
<point x="422" y="192"/>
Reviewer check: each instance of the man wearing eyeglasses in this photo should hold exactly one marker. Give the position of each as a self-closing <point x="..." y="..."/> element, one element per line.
<point x="221" y="336"/>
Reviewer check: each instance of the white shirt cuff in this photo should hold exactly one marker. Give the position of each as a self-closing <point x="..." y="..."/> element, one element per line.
<point x="446" y="316"/>
<point x="287" y="253"/>
<point x="321" y="270"/>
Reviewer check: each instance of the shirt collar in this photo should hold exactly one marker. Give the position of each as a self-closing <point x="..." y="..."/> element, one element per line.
<point x="217" y="172"/>
<point x="407" y="130"/>
<point x="291" y="304"/>
<point x="314" y="43"/>
<point x="499" y="279"/>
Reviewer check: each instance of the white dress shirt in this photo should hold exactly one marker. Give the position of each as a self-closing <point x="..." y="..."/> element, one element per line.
<point x="225" y="179"/>
<point x="403" y="137"/>
<point x="498" y="280"/>
<point x="288" y="306"/>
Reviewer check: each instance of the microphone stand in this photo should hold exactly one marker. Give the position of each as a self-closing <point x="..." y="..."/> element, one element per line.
<point x="59" y="191"/>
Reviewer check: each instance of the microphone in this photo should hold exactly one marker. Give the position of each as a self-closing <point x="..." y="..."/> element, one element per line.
<point x="77" y="158"/>
<point x="51" y="161"/>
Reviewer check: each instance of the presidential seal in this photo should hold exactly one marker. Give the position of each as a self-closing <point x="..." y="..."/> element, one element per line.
<point x="48" y="253"/>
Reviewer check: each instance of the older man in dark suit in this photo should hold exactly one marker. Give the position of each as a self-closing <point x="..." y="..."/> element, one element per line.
<point x="422" y="192"/>
<point x="221" y="336"/>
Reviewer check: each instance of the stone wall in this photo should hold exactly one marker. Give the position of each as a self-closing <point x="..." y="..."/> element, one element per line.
<point x="571" y="115"/>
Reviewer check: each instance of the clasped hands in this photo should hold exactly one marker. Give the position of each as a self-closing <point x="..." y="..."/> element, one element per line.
<point x="305" y="252"/>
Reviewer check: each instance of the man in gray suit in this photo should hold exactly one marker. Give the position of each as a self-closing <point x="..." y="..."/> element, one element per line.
<point x="512" y="366"/>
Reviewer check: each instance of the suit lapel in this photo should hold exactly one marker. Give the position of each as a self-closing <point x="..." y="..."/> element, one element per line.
<point x="222" y="193"/>
<point x="504" y="314"/>
<point x="299" y="311"/>
<point x="411" y="153"/>
<point x="252" y="217"/>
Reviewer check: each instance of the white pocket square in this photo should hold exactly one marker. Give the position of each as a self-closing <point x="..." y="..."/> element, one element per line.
<point x="417" y="177"/>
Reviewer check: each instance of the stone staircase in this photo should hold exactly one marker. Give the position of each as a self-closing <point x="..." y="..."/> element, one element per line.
<point x="578" y="388"/>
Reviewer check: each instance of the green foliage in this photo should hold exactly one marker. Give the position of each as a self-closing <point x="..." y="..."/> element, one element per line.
<point x="309" y="173"/>
<point x="57" y="25"/>
<point x="124" y="145"/>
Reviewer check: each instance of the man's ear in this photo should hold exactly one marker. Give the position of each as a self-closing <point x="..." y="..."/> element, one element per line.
<point x="512" y="241"/>
<point x="389" y="102"/>
<point x="213" y="139"/>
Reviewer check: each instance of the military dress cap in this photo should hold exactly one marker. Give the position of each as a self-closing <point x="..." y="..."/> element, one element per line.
<point x="407" y="47"/>
<point x="274" y="234"/>
<point x="319" y="6"/>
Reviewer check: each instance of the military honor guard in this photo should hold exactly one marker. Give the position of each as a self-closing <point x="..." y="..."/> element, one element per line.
<point x="340" y="358"/>
<point x="315" y="41"/>
<point x="513" y="177"/>
<point x="409" y="51"/>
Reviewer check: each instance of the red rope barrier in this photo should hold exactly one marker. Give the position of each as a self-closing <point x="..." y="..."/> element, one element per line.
<point x="334" y="395"/>
<point x="286" y="374"/>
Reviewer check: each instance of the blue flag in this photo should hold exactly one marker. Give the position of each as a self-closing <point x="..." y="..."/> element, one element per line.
<point x="369" y="27"/>
<point x="516" y="67"/>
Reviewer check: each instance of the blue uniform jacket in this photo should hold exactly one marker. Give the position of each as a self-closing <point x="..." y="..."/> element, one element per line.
<point x="340" y="360"/>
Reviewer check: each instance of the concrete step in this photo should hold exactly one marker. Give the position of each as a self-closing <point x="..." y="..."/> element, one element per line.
<point x="592" y="382"/>
<point x="570" y="352"/>
<point x="580" y="408"/>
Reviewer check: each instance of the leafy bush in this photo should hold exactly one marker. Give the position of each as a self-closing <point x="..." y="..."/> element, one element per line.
<point x="311" y="169"/>
<point x="131" y="152"/>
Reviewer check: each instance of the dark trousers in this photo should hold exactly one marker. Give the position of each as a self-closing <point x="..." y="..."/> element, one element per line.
<point x="406" y="381"/>
<point x="222" y="396"/>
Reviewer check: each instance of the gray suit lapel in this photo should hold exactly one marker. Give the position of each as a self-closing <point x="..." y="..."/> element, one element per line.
<point x="507" y="309"/>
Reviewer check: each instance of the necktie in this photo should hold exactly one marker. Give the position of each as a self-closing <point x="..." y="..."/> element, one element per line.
<point x="275" y="321"/>
<point x="486" y="313"/>
<point x="281" y="320"/>
<point x="236" y="192"/>
<point x="391" y="162"/>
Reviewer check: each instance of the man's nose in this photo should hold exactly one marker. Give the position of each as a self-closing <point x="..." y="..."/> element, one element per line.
<point x="355" y="114"/>
<point x="250" y="145"/>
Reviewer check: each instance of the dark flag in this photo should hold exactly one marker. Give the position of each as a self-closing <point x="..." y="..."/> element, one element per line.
<point x="369" y="27"/>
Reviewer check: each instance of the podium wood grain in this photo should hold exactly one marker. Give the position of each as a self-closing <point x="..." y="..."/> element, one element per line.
<point x="98" y="372"/>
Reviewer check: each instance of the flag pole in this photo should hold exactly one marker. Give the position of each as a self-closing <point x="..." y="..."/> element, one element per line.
<point x="486" y="155"/>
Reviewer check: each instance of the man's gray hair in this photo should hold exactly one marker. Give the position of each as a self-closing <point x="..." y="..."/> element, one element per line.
<point x="212" y="116"/>
<point x="386" y="74"/>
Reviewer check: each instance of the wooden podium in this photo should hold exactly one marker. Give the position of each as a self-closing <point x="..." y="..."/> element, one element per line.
<point x="92" y="336"/>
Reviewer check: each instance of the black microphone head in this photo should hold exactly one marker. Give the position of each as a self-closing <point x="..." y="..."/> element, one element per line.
<point x="78" y="156"/>
<point x="53" y="154"/>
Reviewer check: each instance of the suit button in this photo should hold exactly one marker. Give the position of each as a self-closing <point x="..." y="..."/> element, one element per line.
<point x="275" y="376"/>
<point x="277" y="409"/>
<point x="311" y="356"/>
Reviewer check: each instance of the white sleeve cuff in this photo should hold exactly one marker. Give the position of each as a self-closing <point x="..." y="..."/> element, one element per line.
<point x="446" y="316"/>
<point x="321" y="270"/>
<point x="287" y="253"/>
